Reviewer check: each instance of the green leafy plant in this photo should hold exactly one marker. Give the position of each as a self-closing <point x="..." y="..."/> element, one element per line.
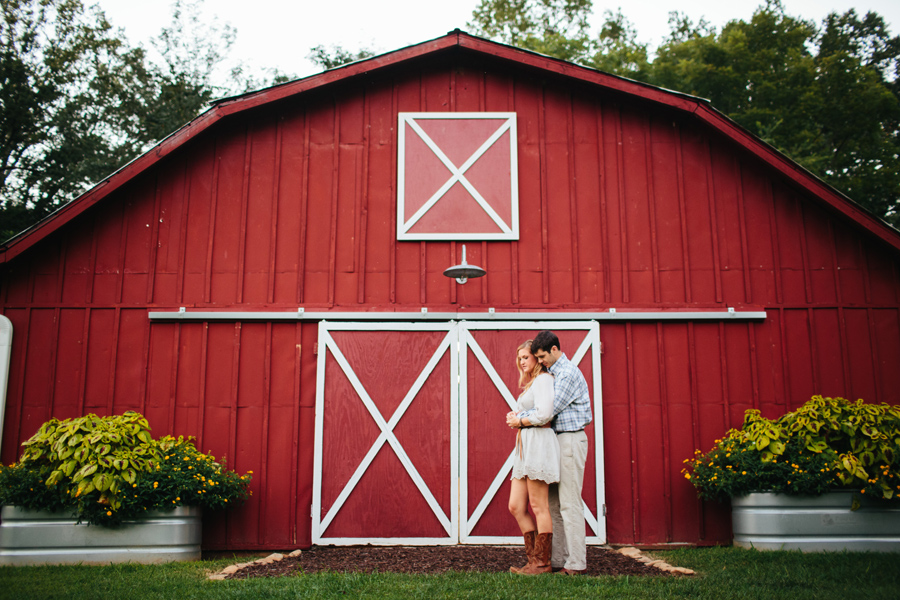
<point x="92" y="453"/>
<point x="106" y="470"/>
<point x="828" y="443"/>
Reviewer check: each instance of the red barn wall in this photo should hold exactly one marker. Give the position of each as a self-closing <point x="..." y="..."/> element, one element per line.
<point x="622" y="204"/>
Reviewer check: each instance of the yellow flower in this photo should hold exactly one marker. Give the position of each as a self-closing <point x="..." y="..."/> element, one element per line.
<point x="109" y="513"/>
<point x="743" y="472"/>
<point x="687" y="475"/>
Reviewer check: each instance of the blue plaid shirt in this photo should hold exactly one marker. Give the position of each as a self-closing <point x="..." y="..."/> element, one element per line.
<point x="571" y="399"/>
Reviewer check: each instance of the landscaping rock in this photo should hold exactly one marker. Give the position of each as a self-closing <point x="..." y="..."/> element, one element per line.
<point x="630" y="551"/>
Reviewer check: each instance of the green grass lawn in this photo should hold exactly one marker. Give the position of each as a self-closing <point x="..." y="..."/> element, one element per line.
<point x="722" y="573"/>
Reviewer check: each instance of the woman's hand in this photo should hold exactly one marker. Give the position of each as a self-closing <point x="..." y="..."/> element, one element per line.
<point x="513" y="421"/>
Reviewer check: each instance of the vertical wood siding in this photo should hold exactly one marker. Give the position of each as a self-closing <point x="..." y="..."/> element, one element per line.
<point x="621" y="205"/>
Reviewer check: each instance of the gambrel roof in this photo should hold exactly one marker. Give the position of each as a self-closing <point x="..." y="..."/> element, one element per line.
<point x="458" y="41"/>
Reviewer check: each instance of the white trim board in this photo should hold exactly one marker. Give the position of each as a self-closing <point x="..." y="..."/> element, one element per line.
<point x="610" y="315"/>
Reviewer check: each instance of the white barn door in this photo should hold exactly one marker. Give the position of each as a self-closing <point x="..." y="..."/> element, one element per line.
<point x="411" y="442"/>
<point x="386" y="434"/>
<point x="488" y="390"/>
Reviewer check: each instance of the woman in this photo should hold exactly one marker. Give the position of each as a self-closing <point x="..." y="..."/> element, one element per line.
<point x="536" y="461"/>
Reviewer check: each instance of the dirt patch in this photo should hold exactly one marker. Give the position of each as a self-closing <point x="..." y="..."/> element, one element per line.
<point x="430" y="560"/>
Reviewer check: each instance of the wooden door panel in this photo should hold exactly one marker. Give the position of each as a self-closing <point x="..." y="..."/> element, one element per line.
<point x="411" y="441"/>
<point x="487" y="394"/>
<point x="386" y="434"/>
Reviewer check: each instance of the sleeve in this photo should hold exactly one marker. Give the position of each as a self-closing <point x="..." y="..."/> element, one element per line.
<point x="543" y="400"/>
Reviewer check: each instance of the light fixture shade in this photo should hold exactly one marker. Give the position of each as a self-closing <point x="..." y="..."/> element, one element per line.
<point x="464" y="271"/>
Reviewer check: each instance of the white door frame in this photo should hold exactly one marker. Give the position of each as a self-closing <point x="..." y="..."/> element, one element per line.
<point x="449" y="522"/>
<point x="458" y="342"/>
<point x="594" y="516"/>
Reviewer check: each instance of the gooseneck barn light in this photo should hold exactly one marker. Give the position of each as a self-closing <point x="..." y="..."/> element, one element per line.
<point x="464" y="271"/>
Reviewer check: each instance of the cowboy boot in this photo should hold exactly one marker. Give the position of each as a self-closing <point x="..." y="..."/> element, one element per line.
<point x="541" y="564"/>
<point x="529" y="551"/>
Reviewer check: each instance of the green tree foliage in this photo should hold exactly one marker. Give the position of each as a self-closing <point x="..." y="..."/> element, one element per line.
<point x="553" y="27"/>
<point x="77" y="102"/>
<point x="335" y="56"/>
<point x="827" y="96"/>
<point x="191" y="50"/>
<point x="69" y="90"/>
<point x="617" y="49"/>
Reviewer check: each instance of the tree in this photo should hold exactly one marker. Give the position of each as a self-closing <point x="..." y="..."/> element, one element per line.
<point x="76" y="102"/>
<point x="828" y="97"/>
<point x="858" y="64"/>
<point x="330" y="58"/>
<point x="617" y="49"/>
<point x="825" y="97"/>
<point x="556" y="28"/>
<point x="193" y="71"/>
<point x="68" y="93"/>
<point x="191" y="50"/>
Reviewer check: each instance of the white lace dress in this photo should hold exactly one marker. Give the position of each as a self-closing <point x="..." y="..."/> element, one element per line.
<point x="540" y="450"/>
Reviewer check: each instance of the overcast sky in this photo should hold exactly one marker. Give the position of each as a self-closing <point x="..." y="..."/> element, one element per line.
<point x="279" y="33"/>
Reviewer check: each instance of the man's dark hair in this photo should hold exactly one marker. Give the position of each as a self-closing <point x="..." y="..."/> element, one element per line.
<point x="545" y="340"/>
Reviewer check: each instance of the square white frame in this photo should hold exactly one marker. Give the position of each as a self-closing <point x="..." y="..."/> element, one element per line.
<point x="509" y="231"/>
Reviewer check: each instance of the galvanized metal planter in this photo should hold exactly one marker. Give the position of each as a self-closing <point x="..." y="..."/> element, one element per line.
<point x="768" y="521"/>
<point x="35" y="537"/>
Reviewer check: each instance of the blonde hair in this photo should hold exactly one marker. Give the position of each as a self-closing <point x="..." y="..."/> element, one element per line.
<point x="525" y="379"/>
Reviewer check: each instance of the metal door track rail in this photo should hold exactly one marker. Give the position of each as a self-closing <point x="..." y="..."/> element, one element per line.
<point x="612" y="314"/>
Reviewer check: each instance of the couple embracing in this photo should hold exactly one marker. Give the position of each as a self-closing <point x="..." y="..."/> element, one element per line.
<point x="551" y="450"/>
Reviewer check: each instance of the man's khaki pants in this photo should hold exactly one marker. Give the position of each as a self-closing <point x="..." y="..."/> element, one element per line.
<point x="566" y="508"/>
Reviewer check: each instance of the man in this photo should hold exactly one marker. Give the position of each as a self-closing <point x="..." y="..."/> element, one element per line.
<point x="572" y="410"/>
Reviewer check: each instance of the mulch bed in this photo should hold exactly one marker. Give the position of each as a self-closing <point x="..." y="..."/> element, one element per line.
<point x="431" y="560"/>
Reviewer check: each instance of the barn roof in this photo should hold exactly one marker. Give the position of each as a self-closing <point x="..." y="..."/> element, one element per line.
<point x="454" y="41"/>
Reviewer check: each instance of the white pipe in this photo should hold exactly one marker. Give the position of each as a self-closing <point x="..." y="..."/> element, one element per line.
<point x="6" y="331"/>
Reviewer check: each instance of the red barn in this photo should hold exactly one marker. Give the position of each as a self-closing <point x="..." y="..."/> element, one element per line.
<point x="270" y="280"/>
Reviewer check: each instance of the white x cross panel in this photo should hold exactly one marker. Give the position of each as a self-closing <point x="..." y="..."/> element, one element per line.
<point x="591" y="342"/>
<point x="326" y="341"/>
<point x="424" y="163"/>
